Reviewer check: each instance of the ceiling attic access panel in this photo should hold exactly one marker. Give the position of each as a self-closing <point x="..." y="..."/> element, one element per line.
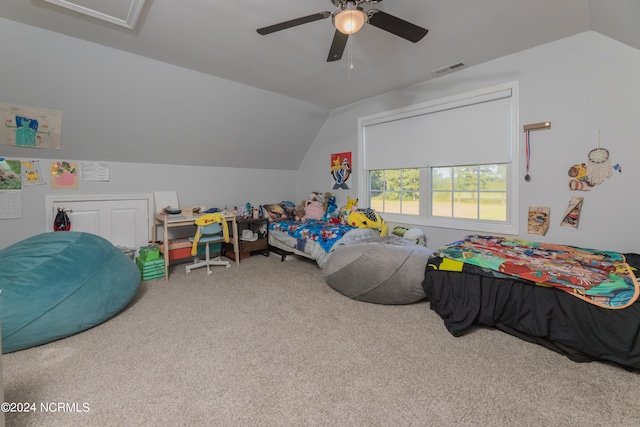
<point x="120" y="12"/>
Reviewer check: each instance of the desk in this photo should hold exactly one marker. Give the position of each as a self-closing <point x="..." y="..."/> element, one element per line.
<point x="167" y="222"/>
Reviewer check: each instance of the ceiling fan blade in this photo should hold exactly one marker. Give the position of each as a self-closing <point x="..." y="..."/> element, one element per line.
<point x="337" y="46"/>
<point x="396" y="26"/>
<point x="293" y="23"/>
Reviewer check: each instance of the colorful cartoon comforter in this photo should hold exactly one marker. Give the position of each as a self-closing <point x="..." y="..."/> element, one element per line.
<point x="323" y="233"/>
<point x="602" y="278"/>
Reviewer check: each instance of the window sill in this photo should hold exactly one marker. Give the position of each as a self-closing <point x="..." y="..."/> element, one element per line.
<point x="453" y="224"/>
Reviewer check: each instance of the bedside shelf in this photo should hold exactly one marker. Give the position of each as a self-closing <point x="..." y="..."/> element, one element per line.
<point x="246" y="248"/>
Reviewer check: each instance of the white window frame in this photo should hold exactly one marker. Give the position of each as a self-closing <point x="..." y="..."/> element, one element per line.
<point x="510" y="226"/>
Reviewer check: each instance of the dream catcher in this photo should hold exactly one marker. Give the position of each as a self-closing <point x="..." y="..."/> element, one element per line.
<point x="596" y="170"/>
<point x="599" y="166"/>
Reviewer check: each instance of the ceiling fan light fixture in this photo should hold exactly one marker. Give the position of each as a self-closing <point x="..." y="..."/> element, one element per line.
<point x="349" y="19"/>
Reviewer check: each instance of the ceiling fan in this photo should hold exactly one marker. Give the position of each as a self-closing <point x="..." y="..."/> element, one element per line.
<point x="348" y="19"/>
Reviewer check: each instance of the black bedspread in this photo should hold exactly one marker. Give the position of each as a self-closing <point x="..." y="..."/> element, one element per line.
<point x="546" y="316"/>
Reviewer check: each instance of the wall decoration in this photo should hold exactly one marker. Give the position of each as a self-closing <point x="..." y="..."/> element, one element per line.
<point x="32" y="173"/>
<point x="578" y="180"/>
<point x="94" y="171"/>
<point x="599" y="166"/>
<point x="10" y="189"/>
<point x="572" y="214"/>
<point x="30" y="127"/>
<point x="64" y="175"/>
<point x="340" y="170"/>
<point x="538" y="220"/>
<point x="596" y="170"/>
<point x="527" y="130"/>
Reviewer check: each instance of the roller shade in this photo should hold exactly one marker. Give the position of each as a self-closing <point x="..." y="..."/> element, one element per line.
<point x="477" y="130"/>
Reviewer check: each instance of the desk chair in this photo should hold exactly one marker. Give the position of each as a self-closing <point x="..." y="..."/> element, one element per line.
<point x="212" y="231"/>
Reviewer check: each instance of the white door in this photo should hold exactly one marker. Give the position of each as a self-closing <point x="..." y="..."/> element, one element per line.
<point x="123" y="222"/>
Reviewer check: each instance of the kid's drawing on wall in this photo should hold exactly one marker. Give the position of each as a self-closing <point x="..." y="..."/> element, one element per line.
<point x="340" y="170"/>
<point x="30" y="127"/>
<point x="32" y="173"/>
<point x="64" y="175"/>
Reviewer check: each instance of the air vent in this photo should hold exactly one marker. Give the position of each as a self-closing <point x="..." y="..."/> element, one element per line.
<point x="448" y="68"/>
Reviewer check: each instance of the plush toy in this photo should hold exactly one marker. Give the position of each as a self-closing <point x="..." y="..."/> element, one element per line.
<point x="415" y="235"/>
<point x="313" y="210"/>
<point x="298" y="212"/>
<point x="351" y="204"/>
<point x="325" y="202"/>
<point x="331" y="204"/>
<point x="399" y="230"/>
<point x="331" y="209"/>
<point x="315" y="196"/>
<point x="367" y="218"/>
<point x="348" y="208"/>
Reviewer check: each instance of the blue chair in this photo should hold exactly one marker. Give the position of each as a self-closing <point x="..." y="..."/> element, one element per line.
<point x="212" y="237"/>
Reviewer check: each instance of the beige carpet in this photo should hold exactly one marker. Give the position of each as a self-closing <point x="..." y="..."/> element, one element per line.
<point x="268" y="343"/>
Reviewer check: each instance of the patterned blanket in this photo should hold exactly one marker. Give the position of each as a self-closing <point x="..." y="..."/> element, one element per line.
<point x="321" y="232"/>
<point x="599" y="277"/>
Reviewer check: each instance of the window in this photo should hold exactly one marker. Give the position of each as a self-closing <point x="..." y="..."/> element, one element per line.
<point x="395" y="191"/>
<point x="476" y="192"/>
<point x="446" y="163"/>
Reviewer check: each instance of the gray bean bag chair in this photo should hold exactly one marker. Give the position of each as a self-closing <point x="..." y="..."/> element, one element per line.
<point x="386" y="270"/>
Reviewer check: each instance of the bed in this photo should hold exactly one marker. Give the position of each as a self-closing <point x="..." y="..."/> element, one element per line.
<point x="582" y="303"/>
<point x="314" y="239"/>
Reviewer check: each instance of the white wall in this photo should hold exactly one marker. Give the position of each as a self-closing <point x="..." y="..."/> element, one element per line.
<point x="122" y="107"/>
<point x="195" y="185"/>
<point x="145" y="118"/>
<point x="581" y="84"/>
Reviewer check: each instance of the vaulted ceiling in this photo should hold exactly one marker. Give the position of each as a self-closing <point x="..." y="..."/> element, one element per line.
<point x="219" y="38"/>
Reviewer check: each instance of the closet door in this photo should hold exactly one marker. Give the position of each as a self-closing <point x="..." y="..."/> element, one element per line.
<point x="123" y="222"/>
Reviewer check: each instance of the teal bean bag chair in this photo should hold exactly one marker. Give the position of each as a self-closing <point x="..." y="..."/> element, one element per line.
<point x="54" y="285"/>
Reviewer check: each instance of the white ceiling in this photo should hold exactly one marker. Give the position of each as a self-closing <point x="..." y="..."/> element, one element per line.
<point x="220" y="38"/>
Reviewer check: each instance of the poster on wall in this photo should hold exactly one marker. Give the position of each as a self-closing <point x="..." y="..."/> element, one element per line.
<point x="10" y="189"/>
<point x="340" y="170"/>
<point x="64" y="175"/>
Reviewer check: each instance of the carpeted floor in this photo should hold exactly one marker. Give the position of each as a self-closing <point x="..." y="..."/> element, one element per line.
<point x="269" y="343"/>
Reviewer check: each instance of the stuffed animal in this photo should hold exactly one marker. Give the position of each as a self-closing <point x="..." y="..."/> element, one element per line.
<point x="313" y="210"/>
<point x="351" y="204"/>
<point x="331" y="204"/>
<point x="415" y="235"/>
<point x="348" y="208"/>
<point x="367" y="218"/>
<point x="298" y="212"/>
<point x="331" y="209"/>
<point x="325" y="202"/>
<point x="399" y="230"/>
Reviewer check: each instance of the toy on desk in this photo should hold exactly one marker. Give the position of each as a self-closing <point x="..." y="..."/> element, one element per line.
<point x="172" y="211"/>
